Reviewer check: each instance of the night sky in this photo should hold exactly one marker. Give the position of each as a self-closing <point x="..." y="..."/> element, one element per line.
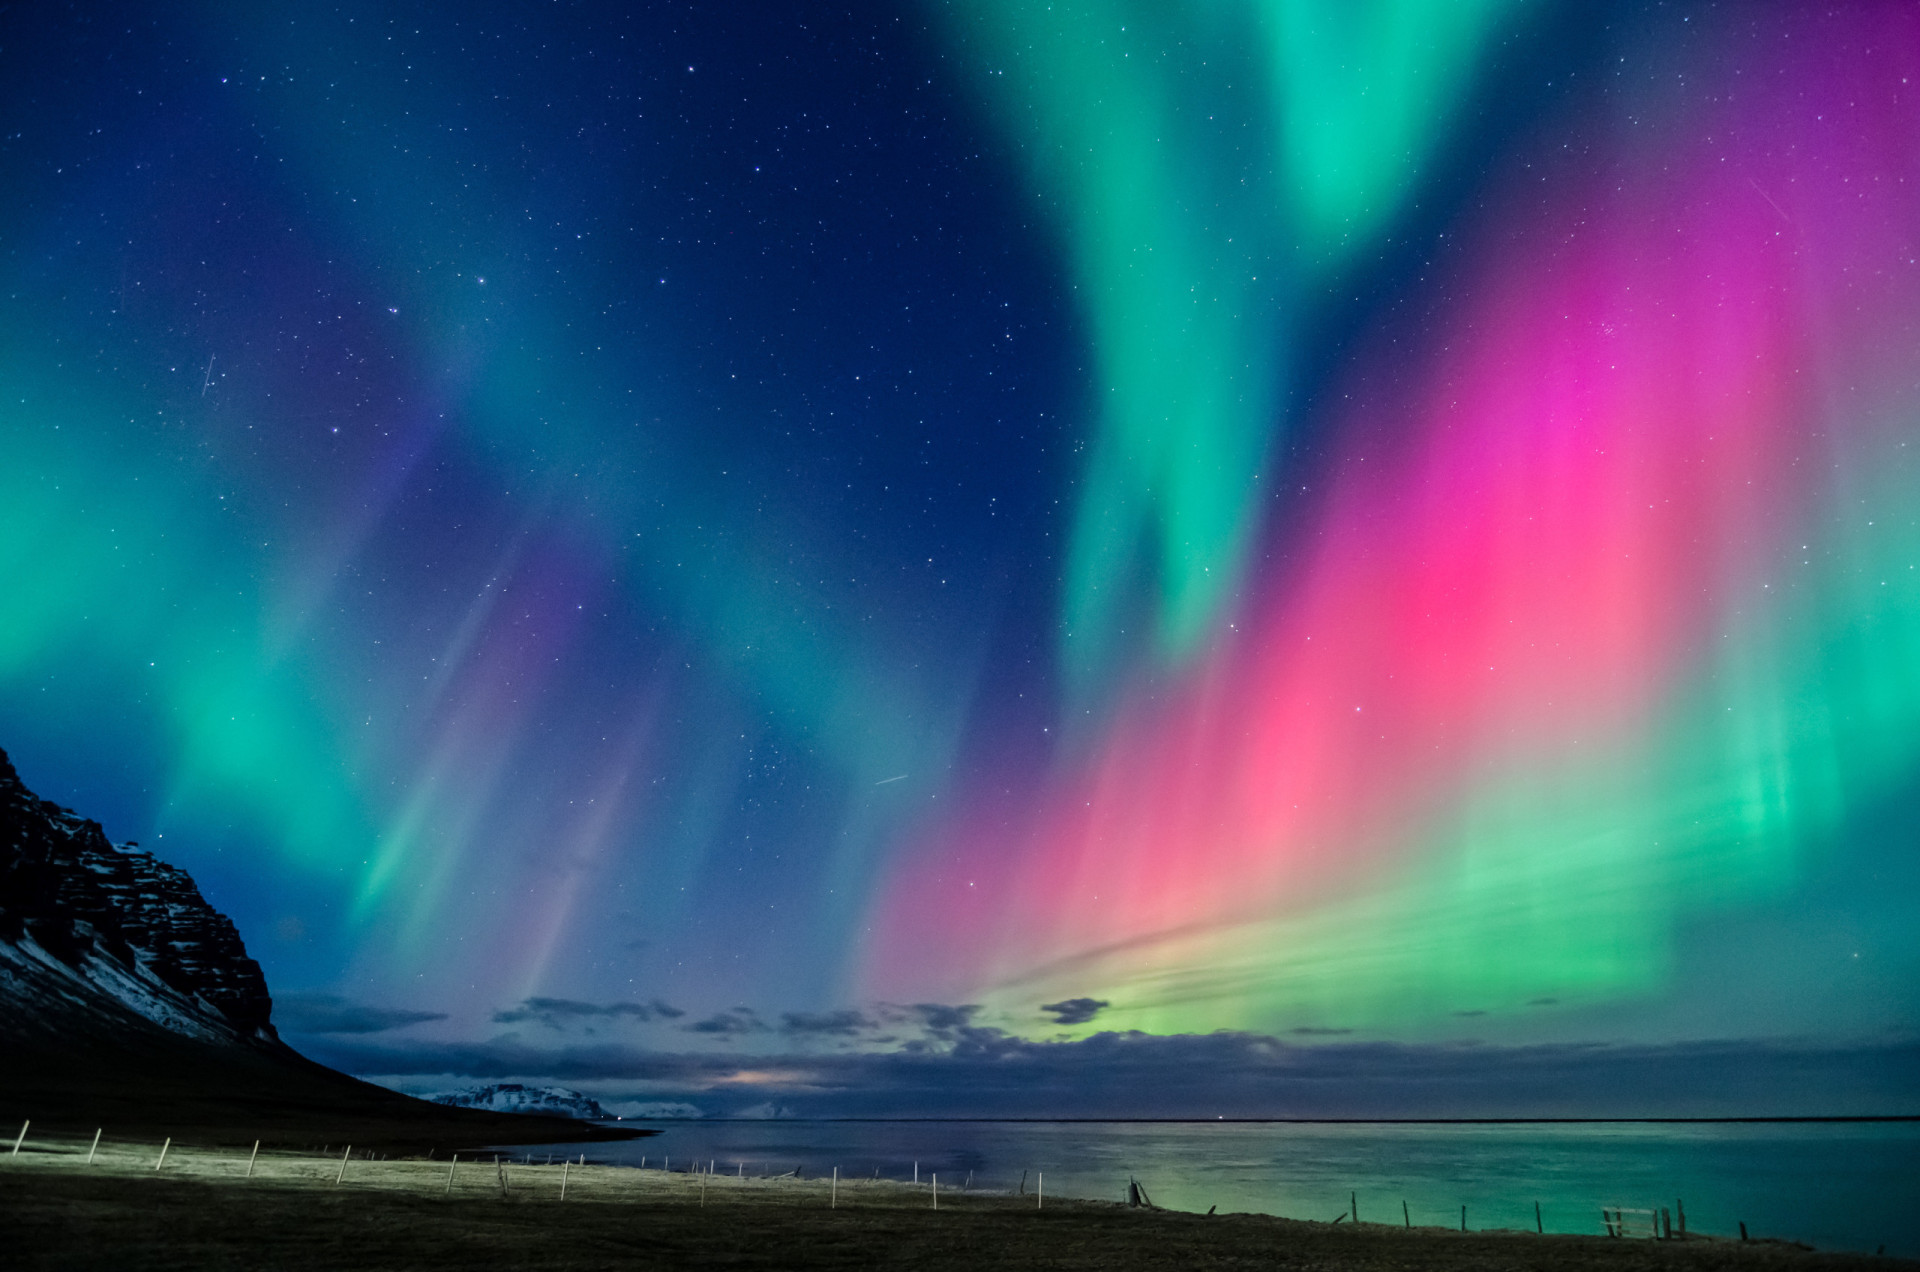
<point x="843" y="536"/>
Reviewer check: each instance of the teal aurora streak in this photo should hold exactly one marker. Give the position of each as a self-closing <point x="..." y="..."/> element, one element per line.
<point x="574" y="504"/>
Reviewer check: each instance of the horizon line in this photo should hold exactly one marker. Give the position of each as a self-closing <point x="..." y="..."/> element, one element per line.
<point x="1338" y="1121"/>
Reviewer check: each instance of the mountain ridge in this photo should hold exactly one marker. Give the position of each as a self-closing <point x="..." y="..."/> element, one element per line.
<point x="83" y="919"/>
<point x="128" y="1003"/>
<point x="520" y="1099"/>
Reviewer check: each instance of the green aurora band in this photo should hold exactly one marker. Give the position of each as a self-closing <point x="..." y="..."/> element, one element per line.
<point x="1209" y="167"/>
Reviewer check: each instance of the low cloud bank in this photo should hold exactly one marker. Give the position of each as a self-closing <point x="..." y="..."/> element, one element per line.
<point x="975" y="1072"/>
<point x="558" y="1013"/>
<point x="332" y="1014"/>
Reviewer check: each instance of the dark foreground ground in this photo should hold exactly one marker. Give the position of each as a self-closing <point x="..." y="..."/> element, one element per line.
<point x="56" y="1214"/>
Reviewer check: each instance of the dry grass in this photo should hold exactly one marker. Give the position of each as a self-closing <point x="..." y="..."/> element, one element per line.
<point x="201" y="1210"/>
<point x="467" y="1176"/>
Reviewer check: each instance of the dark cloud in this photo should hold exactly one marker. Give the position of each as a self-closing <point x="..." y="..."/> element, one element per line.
<point x="831" y="1023"/>
<point x="332" y="1014"/>
<point x="1318" y="1031"/>
<point x="1469" y="1013"/>
<point x="740" y="1020"/>
<point x="942" y="1019"/>
<point x="984" y="1073"/>
<point x="1543" y="1002"/>
<point x="557" y="1013"/>
<point x="1076" y="1011"/>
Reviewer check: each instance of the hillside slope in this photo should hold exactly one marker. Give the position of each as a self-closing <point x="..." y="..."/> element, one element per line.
<point x="127" y="1002"/>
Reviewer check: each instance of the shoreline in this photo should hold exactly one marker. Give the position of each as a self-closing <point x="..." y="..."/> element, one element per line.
<point x="1843" y="1118"/>
<point x="139" y="1205"/>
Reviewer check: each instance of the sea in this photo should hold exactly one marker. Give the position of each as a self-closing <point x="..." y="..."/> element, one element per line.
<point x="1834" y="1185"/>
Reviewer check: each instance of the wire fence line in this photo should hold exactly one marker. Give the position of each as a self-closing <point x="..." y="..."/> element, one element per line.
<point x="477" y="1175"/>
<point x="525" y="1177"/>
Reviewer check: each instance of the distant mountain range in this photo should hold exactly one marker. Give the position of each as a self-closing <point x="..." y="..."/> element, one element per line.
<point x="512" y="1097"/>
<point x="92" y="928"/>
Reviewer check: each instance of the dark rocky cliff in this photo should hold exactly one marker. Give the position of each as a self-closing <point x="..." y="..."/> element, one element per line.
<point x="78" y="912"/>
<point x="128" y="1002"/>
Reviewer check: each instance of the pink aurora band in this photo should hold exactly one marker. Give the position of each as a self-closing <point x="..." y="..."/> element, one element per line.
<point x="1602" y="612"/>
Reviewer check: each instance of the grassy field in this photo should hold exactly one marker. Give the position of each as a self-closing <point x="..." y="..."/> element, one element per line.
<point x="298" y="1210"/>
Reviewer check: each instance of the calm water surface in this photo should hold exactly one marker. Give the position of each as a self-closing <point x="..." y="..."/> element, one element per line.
<point x="1853" y="1186"/>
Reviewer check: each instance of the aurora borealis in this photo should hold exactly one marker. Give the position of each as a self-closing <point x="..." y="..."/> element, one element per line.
<point x="1387" y="522"/>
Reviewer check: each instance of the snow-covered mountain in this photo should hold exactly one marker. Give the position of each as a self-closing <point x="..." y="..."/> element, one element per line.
<point x="512" y="1097"/>
<point x="126" y="1001"/>
<point x="90" y="930"/>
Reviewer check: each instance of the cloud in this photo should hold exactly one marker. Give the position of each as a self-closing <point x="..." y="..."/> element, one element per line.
<point x="557" y="1013"/>
<point x="1076" y="1011"/>
<point x="332" y="1014"/>
<point x="985" y="1073"/>
<point x="941" y="1019"/>
<point x="1318" y="1031"/>
<point x="844" y="1024"/>
<point x="740" y="1020"/>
